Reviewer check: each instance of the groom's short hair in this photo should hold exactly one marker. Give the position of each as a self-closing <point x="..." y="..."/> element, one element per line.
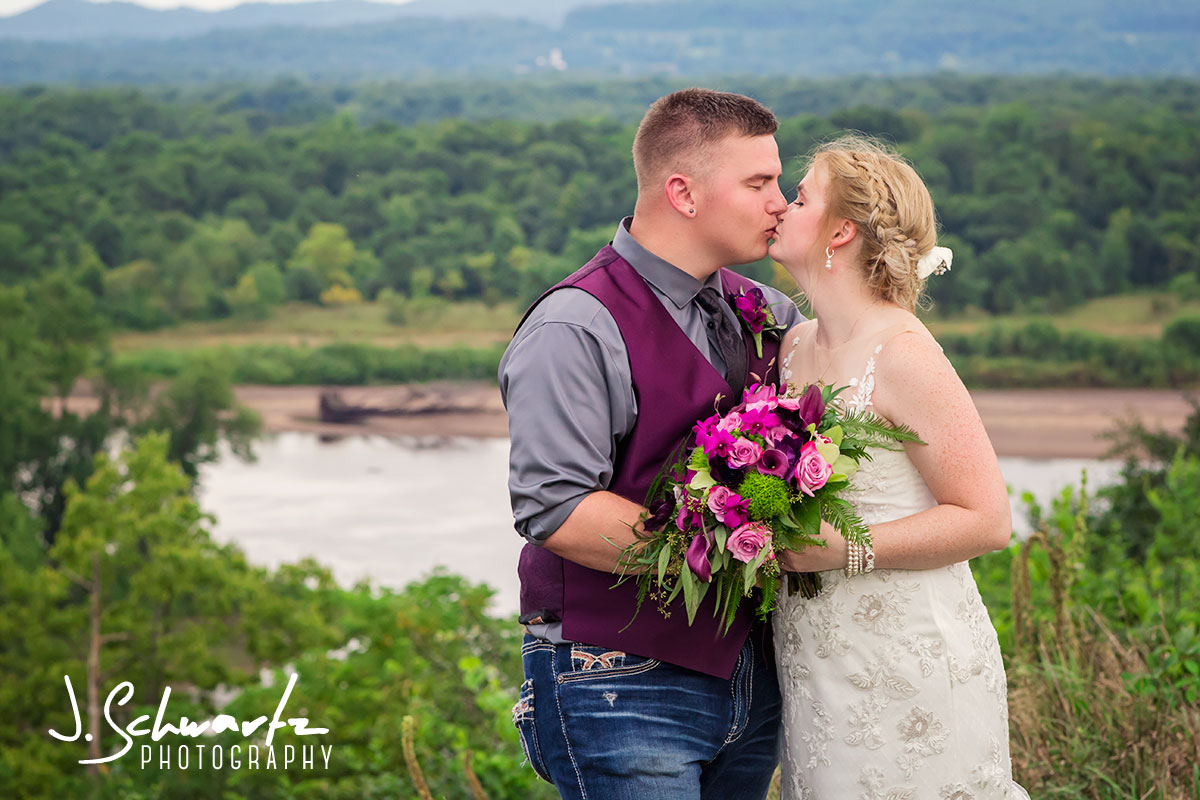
<point x="681" y="127"/>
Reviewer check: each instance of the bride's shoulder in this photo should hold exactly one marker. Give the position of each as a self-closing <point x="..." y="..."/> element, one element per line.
<point x="911" y="366"/>
<point x="904" y="334"/>
<point x="908" y="346"/>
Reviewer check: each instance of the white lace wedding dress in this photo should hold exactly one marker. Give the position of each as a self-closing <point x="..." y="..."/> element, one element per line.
<point x="893" y="685"/>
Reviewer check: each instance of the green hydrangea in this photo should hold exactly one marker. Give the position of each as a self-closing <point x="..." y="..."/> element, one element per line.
<point x="769" y="496"/>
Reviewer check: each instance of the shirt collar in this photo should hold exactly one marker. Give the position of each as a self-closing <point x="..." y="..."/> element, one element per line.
<point x="680" y="287"/>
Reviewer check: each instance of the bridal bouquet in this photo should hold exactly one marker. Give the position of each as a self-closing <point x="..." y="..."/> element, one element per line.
<point x="750" y="483"/>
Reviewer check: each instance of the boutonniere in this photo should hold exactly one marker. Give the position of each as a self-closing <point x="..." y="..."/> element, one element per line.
<point x="755" y="313"/>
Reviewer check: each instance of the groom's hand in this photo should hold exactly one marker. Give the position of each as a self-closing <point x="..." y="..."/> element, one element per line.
<point x="599" y="528"/>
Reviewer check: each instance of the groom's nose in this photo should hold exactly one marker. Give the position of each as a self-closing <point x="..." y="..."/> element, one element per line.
<point x="777" y="203"/>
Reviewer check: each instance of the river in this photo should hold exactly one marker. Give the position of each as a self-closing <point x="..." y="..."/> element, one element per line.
<point x="391" y="510"/>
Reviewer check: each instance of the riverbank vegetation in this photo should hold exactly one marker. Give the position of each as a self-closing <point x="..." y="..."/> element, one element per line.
<point x="1097" y="615"/>
<point x="415" y="686"/>
<point x="1034" y="355"/>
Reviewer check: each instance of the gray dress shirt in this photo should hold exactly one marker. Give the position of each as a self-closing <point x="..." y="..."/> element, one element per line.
<point x="568" y="387"/>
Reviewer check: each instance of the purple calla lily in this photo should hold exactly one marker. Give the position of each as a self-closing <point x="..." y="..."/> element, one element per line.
<point x="697" y="557"/>
<point x="812" y="406"/>
<point x="774" y="462"/>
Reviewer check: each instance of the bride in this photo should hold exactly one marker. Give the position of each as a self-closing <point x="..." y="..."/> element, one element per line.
<point x="892" y="678"/>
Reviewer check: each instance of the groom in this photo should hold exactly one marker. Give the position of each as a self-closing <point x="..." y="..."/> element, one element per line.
<point x="605" y="376"/>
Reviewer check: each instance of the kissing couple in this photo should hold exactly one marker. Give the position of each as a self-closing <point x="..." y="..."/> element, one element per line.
<point x="888" y="683"/>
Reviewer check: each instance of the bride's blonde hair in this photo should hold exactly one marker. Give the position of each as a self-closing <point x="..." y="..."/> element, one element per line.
<point x="876" y="189"/>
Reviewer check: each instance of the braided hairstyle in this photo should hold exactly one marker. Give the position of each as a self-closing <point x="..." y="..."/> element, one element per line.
<point x="880" y="192"/>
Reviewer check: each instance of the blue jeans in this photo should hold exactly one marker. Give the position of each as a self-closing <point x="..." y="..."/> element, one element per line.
<point x="612" y="726"/>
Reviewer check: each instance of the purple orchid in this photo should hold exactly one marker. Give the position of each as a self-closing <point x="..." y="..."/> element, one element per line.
<point x="755" y="313"/>
<point x="688" y="518"/>
<point x="761" y="421"/>
<point x="760" y="398"/>
<point x="752" y="308"/>
<point x="737" y="511"/>
<point x="714" y="440"/>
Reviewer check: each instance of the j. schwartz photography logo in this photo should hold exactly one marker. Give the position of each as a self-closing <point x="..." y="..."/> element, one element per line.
<point x="200" y="756"/>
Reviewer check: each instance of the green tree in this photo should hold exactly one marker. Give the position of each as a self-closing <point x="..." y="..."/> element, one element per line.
<point x="269" y="283"/>
<point x="69" y="327"/>
<point x="199" y="410"/>
<point x="328" y="253"/>
<point x="25" y="382"/>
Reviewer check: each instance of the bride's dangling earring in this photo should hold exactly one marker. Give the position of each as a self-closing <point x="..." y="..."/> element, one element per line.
<point x="828" y="258"/>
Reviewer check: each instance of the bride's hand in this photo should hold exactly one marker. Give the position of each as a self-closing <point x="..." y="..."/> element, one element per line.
<point x="818" y="559"/>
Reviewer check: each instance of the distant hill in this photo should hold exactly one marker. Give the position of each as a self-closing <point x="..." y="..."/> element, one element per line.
<point x="452" y="38"/>
<point x="73" y="20"/>
<point x="78" y="20"/>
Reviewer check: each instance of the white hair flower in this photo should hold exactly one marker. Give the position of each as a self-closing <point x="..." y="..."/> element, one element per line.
<point x="935" y="262"/>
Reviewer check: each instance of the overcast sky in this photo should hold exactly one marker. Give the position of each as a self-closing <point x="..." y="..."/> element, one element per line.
<point x="10" y="7"/>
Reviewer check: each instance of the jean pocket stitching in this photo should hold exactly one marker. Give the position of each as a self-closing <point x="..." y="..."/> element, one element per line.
<point x="523" y="720"/>
<point x="585" y="658"/>
<point x="593" y="674"/>
<point x="536" y="646"/>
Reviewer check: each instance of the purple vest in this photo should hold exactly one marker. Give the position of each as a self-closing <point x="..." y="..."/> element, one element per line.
<point x="675" y="386"/>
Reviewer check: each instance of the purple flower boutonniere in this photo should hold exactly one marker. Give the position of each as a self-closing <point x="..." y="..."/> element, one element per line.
<point x="755" y="313"/>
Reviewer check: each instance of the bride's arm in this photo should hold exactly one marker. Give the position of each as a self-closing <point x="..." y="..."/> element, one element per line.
<point x="917" y="387"/>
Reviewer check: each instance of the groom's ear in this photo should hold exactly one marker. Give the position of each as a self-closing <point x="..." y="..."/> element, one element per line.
<point x="679" y="193"/>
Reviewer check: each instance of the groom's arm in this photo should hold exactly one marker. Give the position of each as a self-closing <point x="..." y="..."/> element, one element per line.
<point x="566" y="384"/>
<point x="585" y="537"/>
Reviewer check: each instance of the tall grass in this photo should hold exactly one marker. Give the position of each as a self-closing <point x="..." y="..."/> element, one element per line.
<point x="1102" y="686"/>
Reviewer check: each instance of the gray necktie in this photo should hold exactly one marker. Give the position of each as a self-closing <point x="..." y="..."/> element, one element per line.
<point x="728" y="339"/>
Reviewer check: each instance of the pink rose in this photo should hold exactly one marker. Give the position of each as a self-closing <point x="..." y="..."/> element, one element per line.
<point x="718" y="496"/>
<point x="744" y="453"/>
<point x="812" y="471"/>
<point x="746" y="542"/>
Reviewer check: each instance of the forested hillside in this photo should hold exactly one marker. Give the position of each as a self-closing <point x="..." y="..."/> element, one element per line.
<point x="169" y="210"/>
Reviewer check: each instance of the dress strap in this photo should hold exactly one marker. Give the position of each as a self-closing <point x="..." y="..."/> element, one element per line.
<point x="864" y="387"/>
<point x="785" y="368"/>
